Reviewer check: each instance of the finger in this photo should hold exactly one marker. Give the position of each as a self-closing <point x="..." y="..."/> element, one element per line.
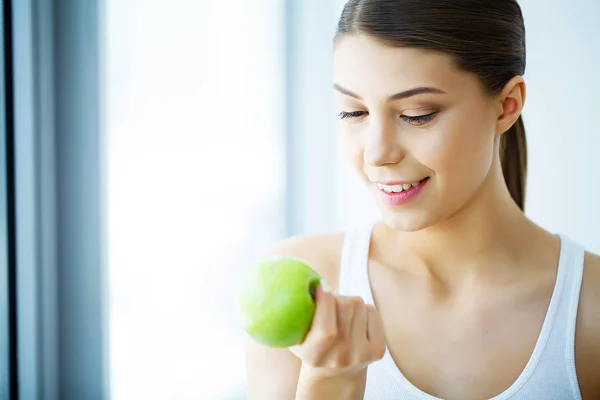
<point x="359" y="324"/>
<point x="324" y="325"/>
<point x="345" y="314"/>
<point x="356" y="303"/>
<point x="375" y="332"/>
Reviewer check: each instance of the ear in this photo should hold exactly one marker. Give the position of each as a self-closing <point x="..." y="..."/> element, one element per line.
<point x="511" y="102"/>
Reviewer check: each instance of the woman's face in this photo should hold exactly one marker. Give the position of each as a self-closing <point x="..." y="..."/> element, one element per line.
<point x="419" y="132"/>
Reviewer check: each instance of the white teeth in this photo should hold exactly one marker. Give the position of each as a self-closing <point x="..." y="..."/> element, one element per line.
<point x="397" y="188"/>
<point x="390" y="189"/>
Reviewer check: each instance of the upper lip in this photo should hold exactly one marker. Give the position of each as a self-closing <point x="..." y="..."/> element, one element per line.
<point x="393" y="183"/>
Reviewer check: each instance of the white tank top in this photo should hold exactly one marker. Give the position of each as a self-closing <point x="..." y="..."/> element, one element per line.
<point x="549" y="373"/>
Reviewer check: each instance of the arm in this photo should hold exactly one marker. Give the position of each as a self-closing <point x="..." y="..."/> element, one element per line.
<point x="587" y="333"/>
<point x="273" y="374"/>
<point x="315" y="386"/>
<point x="279" y="374"/>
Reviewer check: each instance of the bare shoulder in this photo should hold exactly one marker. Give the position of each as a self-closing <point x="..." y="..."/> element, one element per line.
<point x="587" y="337"/>
<point x="322" y="252"/>
<point x="273" y="373"/>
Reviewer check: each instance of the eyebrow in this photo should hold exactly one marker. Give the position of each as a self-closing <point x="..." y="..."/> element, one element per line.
<point x="397" y="96"/>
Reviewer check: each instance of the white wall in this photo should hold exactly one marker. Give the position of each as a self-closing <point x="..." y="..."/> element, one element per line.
<point x="563" y="98"/>
<point x="563" y="40"/>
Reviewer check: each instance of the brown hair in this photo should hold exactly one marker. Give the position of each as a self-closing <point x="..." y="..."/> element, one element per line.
<point x="485" y="37"/>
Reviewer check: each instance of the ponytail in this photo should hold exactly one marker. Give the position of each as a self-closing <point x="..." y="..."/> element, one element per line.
<point x="513" y="156"/>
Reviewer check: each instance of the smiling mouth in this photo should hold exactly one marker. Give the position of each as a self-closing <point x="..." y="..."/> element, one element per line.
<point x="399" y="188"/>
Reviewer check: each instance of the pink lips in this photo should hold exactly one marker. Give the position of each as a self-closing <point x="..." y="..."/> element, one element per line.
<point x="396" y="199"/>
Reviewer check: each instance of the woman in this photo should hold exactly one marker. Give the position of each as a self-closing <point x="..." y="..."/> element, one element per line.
<point x="471" y="299"/>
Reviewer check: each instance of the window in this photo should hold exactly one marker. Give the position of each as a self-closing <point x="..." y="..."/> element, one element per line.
<point x="195" y="186"/>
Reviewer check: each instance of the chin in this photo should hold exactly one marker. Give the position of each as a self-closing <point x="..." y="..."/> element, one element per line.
<point x="407" y="218"/>
<point x="406" y="221"/>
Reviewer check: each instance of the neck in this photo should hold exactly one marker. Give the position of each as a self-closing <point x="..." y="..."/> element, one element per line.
<point x="489" y="227"/>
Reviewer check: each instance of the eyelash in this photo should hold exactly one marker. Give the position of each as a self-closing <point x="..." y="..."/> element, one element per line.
<point x="353" y="114"/>
<point x="416" y="120"/>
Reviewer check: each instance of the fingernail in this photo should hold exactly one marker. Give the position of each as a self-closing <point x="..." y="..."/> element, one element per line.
<point x="325" y="286"/>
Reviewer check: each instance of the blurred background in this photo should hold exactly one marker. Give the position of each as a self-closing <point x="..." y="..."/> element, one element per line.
<point x="217" y="135"/>
<point x="222" y="139"/>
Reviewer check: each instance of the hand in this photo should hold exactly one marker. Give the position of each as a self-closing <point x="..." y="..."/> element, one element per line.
<point x="346" y="335"/>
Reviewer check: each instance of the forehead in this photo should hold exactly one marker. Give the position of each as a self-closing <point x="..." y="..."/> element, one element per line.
<point x="368" y="67"/>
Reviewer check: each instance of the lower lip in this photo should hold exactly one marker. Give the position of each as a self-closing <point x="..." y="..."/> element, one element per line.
<point x="396" y="199"/>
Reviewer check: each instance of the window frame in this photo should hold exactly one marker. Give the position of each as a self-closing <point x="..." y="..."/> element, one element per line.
<point x="59" y="199"/>
<point x="8" y="359"/>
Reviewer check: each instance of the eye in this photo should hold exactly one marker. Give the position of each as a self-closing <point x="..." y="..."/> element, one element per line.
<point x="353" y="114"/>
<point x="419" y="119"/>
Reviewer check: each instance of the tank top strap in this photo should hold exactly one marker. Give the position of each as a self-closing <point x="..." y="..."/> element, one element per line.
<point x="572" y="260"/>
<point x="354" y="261"/>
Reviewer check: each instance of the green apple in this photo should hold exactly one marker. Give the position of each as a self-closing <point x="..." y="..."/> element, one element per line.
<point x="275" y="300"/>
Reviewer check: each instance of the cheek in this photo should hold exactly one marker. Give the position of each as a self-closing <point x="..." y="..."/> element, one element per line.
<point x="353" y="150"/>
<point x="461" y="151"/>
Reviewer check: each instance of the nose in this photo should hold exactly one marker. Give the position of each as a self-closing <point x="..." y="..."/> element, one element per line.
<point x="382" y="146"/>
